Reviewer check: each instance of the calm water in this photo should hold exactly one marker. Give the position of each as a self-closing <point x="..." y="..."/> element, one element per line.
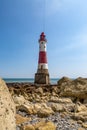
<point x="31" y="80"/>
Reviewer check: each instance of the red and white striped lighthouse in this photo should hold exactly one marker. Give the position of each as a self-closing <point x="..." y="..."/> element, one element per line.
<point x="42" y="75"/>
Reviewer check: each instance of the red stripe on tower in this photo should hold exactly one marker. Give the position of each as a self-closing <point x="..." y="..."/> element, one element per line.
<point x="42" y="57"/>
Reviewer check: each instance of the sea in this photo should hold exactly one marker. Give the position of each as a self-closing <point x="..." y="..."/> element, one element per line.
<point x="31" y="80"/>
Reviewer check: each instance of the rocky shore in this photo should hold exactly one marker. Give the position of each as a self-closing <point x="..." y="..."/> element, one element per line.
<point x="62" y="106"/>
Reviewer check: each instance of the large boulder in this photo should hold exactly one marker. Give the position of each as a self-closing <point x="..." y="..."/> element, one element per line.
<point x="7" y="109"/>
<point x="73" y="88"/>
<point x="64" y="80"/>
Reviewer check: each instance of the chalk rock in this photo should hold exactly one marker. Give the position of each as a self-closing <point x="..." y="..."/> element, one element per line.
<point x="39" y="108"/>
<point x="60" y="100"/>
<point x="80" y="116"/>
<point x="28" y="127"/>
<point x="44" y="111"/>
<point x="39" y="90"/>
<point x="64" y="80"/>
<point x="73" y="88"/>
<point x="80" y="108"/>
<point x="57" y="107"/>
<point x="19" y="100"/>
<point x="7" y="109"/>
<point x="27" y="108"/>
<point x="45" y="126"/>
<point x="20" y="119"/>
<point x="40" y="126"/>
<point x="84" y="125"/>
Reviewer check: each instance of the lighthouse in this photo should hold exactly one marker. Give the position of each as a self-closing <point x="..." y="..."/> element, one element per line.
<point x="42" y="75"/>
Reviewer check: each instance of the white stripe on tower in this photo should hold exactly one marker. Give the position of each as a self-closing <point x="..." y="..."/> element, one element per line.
<point x="42" y="46"/>
<point x="45" y="66"/>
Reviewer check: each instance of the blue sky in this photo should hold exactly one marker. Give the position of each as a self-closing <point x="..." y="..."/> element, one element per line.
<point x="65" y="25"/>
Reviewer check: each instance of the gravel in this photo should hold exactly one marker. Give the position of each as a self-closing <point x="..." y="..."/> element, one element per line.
<point x="62" y="123"/>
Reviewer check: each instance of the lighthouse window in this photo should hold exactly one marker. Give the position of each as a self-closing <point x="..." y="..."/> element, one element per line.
<point x="42" y="42"/>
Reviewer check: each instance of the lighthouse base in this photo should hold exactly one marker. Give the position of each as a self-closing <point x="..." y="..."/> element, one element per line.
<point x="42" y="78"/>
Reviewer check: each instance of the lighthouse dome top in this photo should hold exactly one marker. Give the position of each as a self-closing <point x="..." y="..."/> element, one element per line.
<point x="42" y="37"/>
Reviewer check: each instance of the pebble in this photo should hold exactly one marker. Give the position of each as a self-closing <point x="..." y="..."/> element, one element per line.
<point x="60" y="122"/>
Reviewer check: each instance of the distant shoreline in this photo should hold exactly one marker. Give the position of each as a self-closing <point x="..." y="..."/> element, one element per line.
<point x="27" y="80"/>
